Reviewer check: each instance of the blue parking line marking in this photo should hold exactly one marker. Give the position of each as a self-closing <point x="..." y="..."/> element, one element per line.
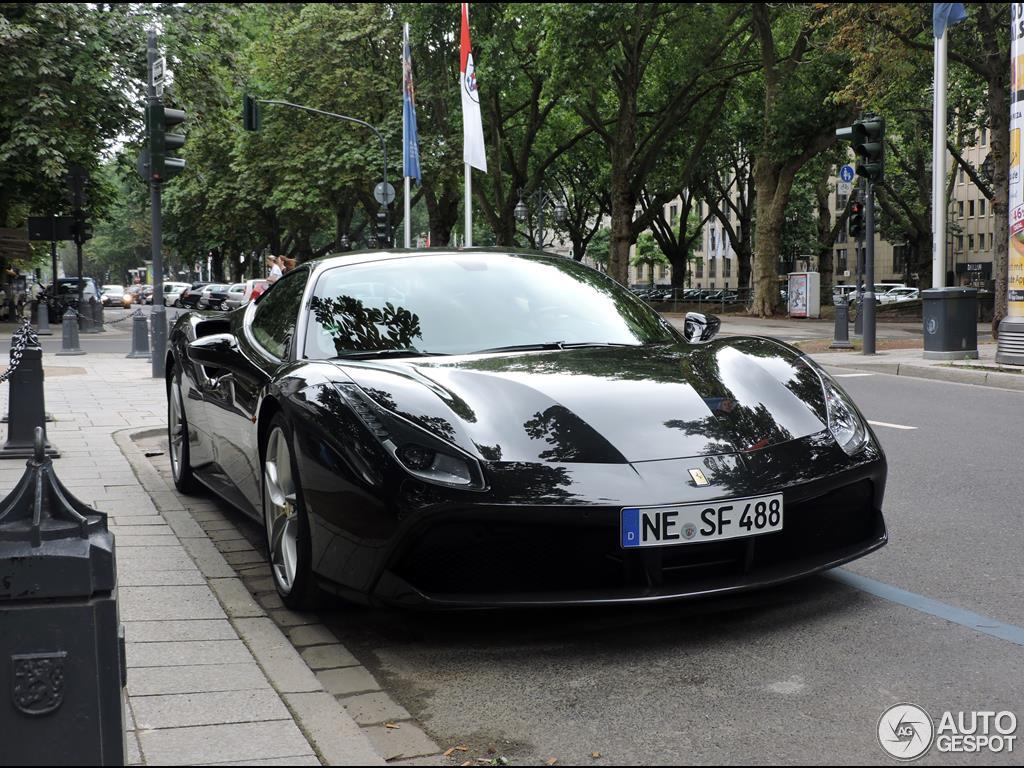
<point x="983" y="624"/>
<point x="631" y="527"/>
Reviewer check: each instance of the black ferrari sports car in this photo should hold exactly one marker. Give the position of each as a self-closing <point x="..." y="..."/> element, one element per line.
<point x="485" y="428"/>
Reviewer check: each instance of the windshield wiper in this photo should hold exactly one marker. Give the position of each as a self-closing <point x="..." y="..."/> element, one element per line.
<point x="362" y="354"/>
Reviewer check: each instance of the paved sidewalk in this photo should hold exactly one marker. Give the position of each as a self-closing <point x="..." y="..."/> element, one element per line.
<point x="211" y="679"/>
<point x="910" y="362"/>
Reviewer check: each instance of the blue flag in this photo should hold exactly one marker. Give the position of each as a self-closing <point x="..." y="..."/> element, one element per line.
<point x="410" y="135"/>
<point x="945" y="15"/>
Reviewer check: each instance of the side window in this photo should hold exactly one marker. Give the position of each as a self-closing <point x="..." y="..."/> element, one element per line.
<point x="274" y="323"/>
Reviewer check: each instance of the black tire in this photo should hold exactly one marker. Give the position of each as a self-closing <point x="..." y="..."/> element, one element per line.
<point x="298" y="590"/>
<point x="181" y="467"/>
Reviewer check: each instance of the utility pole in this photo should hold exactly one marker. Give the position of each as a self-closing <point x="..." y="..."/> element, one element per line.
<point x="158" y="316"/>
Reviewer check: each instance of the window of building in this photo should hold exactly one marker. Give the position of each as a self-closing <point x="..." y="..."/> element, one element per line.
<point x="841" y="260"/>
<point x="959" y="242"/>
<point x="841" y="202"/>
<point x="981" y="206"/>
<point x="970" y="242"/>
<point x="960" y="208"/>
<point x="662" y="271"/>
<point x="961" y="179"/>
<point x="727" y="268"/>
<point x="700" y="268"/>
<point x="673" y="215"/>
<point x="899" y="259"/>
<point x="984" y="136"/>
<point x="711" y="266"/>
<point x="970" y="208"/>
<point x="841" y="235"/>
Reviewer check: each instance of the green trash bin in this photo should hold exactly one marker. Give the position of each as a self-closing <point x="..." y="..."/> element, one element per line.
<point x="950" y="323"/>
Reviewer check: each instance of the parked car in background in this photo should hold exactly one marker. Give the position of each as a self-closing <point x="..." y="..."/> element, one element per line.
<point x="235" y="294"/>
<point x="147" y="294"/>
<point x="172" y="292"/>
<point x="191" y="295"/>
<point x="213" y="296"/>
<point x="113" y="296"/>
<point x="899" y="294"/>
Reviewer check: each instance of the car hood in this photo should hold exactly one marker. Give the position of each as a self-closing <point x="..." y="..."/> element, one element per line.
<point x="607" y="404"/>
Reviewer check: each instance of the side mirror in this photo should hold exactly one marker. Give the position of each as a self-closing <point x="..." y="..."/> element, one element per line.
<point x="699" y="328"/>
<point x="216" y="351"/>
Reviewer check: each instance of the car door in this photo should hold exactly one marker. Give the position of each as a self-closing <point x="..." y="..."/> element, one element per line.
<point x="264" y="335"/>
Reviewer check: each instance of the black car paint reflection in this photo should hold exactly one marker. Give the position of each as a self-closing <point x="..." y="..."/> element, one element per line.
<point x="565" y="437"/>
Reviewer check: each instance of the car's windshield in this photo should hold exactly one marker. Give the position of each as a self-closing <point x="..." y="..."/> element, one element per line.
<point x="462" y="303"/>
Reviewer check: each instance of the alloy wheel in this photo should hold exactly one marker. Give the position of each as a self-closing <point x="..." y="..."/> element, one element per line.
<point x="280" y="511"/>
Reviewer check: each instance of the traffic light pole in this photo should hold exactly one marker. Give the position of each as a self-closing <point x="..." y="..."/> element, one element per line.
<point x="158" y="316"/>
<point x="868" y="305"/>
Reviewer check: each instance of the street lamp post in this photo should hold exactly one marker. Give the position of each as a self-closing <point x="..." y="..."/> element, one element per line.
<point x="540" y="198"/>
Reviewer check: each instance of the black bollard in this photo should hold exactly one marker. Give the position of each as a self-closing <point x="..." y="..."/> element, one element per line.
<point x="43" y="319"/>
<point x="842" y="332"/>
<point x="7" y="417"/>
<point x="62" y="643"/>
<point x="69" y="340"/>
<point x="26" y="406"/>
<point x="140" y="337"/>
<point x="98" y="316"/>
<point x="88" y="315"/>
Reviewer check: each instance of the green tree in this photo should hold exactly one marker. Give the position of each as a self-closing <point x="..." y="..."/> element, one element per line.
<point x="69" y="75"/>
<point x="800" y="81"/>
<point x="648" y="254"/>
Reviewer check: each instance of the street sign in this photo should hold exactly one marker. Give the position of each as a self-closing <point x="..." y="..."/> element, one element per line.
<point x="384" y="193"/>
<point x="846" y="173"/>
<point x="157" y="71"/>
<point x="844" y="188"/>
<point x="50" y="228"/>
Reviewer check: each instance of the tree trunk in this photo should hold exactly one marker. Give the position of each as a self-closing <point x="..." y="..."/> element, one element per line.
<point x="772" y="195"/>
<point x="999" y="118"/>
<point x="825" y="269"/>
<point x="443" y="213"/>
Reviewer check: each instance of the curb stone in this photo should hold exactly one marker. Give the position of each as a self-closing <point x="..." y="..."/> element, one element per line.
<point x="334" y="735"/>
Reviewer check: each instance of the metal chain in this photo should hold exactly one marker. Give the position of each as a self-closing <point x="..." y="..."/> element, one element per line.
<point x="22" y="337"/>
<point x="134" y="314"/>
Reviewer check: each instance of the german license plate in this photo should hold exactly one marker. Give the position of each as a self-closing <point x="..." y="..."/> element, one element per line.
<point x="706" y="521"/>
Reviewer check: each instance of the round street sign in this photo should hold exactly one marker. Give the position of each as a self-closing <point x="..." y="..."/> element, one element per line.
<point x="846" y="173"/>
<point x="384" y="193"/>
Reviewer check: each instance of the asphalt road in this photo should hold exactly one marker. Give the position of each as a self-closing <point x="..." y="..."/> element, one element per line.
<point x="797" y="675"/>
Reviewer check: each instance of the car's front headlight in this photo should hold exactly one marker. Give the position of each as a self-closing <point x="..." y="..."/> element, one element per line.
<point x="844" y="422"/>
<point x="419" y="452"/>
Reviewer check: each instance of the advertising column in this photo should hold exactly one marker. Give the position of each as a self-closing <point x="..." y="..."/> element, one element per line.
<point x="1011" y="330"/>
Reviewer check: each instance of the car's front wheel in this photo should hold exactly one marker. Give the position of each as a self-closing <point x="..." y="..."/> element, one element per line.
<point x="177" y="437"/>
<point x="284" y="517"/>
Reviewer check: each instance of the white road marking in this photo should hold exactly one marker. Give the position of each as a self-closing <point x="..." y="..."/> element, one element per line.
<point x="850" y="375"/>
<point x="891" y="426"/>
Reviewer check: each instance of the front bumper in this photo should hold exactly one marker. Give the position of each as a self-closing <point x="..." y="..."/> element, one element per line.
<point x="502" y="557"/>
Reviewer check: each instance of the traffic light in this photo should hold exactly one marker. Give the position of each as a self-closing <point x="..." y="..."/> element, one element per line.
<point x="867" y="136"/>
<point x="856" y="220"/>
<point x="869" y="144"/>
<point x="81" y="228"/>
<point x="162" y="166"/>
<point x="252" y="117"/>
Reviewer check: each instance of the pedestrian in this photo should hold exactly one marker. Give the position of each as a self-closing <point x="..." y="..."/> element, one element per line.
<point x="275" y="269"/>
<point x="287" y="265"/>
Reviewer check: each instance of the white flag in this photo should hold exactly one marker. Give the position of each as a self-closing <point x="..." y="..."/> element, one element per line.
<point x="472" y="126"/>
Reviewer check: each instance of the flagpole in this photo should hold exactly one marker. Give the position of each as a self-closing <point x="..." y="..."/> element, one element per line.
<point x="469" y="206"/>
<point x="939" y="165"/>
